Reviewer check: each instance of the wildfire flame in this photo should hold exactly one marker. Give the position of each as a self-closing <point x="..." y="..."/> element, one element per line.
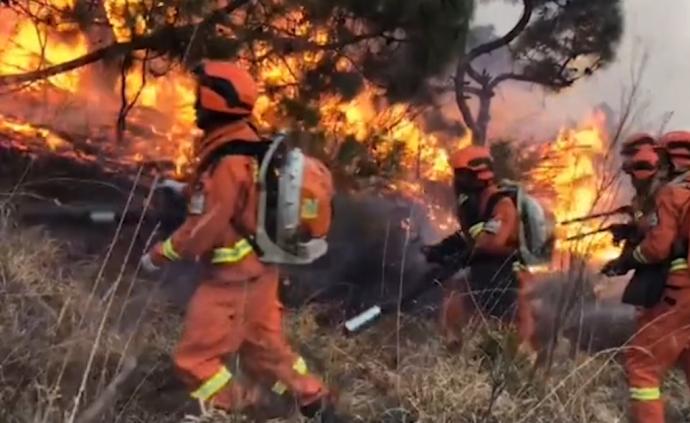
<point x="33" y="45"/>
<point x="575" y="170"/>
<point x="169" y="136"/>
<point x="161" y="119"/>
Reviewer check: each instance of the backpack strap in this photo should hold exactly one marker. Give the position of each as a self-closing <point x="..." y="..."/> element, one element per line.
<point x="255" y="149"/>
<point x="494" y="199"/>
<point x="505" y="192"/>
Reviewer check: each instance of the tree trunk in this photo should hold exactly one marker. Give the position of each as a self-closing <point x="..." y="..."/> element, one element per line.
<point x="483" y="118"/>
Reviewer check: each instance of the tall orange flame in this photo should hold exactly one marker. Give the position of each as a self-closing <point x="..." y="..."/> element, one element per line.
<point x="575" y="170"/>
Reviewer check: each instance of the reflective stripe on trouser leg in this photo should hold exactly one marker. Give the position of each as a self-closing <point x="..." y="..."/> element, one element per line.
<point x="300" y="367"/>
<point x="213" y="384"/>
<point x="645" y="394"/>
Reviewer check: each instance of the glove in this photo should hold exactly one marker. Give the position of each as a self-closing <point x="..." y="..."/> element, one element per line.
<point x="434" y="253"/>
<point x="440" y="252"/>
<point x="147" y="264"/>
<point x="173" y="185"/>
<point x="616" y="267"/>
<point x="622" y="232"/>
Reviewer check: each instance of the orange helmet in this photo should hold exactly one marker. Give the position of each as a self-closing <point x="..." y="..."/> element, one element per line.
<point x="225" y="88"/>
<point x="677" y="146"/>
<point x="643" y="164"/>
<point x="635" y="142"/>
<point x="474" y="159"/>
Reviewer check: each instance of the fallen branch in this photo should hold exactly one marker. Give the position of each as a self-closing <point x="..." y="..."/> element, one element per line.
<point x="109" y="395"/>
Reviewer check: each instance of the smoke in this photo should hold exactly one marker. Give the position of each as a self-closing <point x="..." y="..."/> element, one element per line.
<point x="528" y="112"/>
<point x="565" y="302"/>
<point x="374" y="249"/>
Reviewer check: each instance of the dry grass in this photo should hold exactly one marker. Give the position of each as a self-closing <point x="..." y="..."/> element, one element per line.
<point x="48" y="325"/>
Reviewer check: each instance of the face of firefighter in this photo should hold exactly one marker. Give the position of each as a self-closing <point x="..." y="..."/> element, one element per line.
<point x="466" y="182"/>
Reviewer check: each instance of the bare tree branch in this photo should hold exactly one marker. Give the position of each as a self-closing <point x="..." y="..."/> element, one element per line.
<point x="464" y="67"/>
<point x="528" y="6"/>
<point x="476" y="91"/>
<point x="561" y="83"/>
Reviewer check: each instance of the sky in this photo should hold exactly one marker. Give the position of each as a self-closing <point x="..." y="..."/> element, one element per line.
<point x="660" y="28"/>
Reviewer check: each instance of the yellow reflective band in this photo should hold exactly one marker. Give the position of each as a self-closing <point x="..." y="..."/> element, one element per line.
<point x="519" y="267"/>
<point x="310" y="208"/>
<point x="645" y="394"/>
<point x="232" y="254"/>
<point x="255" y="170"/>
<point x="637" y="255"/>
<point x="679" y="264"/>
<point x="476" y="229"/>
<point x="300" y="367"/>
<point x="214" y="384"/>
<point x="169" y="252"/>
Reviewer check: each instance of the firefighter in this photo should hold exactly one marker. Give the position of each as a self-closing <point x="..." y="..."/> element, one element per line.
<point x="642" y="163"/>
<point x="676" y="145"/>
<point x="663" y="317"/>
<point x="235" y="309"/>
<point x="634" y="142"/>
<point x="489" y="237"/>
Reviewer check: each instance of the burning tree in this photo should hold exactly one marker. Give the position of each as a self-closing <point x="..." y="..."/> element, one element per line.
<point x="553" y="44"/>
<point x="330" y="70"/>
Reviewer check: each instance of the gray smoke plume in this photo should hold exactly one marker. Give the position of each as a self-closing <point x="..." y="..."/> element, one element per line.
<point x="374" y="247"/>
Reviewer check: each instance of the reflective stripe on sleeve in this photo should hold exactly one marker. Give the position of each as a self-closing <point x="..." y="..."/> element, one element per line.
<point x="476" y="229"/>
<point x="169" y="251"/>
<point x="638" y="256"/>
<point x="519" y="267"/>
<point x="212" y="385"/>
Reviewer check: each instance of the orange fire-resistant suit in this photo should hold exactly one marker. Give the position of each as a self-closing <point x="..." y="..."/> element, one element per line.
<point x="236" y="307"/>
<point x="497" y="275"/>
<point x="663" y="331"/>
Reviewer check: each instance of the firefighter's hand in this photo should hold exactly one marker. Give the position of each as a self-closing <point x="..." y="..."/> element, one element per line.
<point x="173" y="185"/>
<point x="147" y="264"/>
<point x="622" y="232"/>
<point x="615" y="267"/>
